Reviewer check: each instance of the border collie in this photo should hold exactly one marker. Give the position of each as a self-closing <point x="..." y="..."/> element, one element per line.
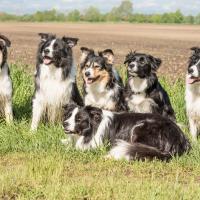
<point x="5" y="81"/>
<point x="192" y="95"/>
<point x="102" y="87"/>
<point x="131" y="135"/>
<point x="55" y="80"/>
<point x="143" y="92"/>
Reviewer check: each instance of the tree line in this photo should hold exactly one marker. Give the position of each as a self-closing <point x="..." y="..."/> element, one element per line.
<point x="123" y="13"/>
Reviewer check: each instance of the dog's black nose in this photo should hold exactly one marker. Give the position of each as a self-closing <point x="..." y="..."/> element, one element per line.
<point x="65" y="124"/>
<point x="131" y="66"/>
<point x="87" y="74"/>
<point x="190" y="70"/>
<point x="46" y="51"/>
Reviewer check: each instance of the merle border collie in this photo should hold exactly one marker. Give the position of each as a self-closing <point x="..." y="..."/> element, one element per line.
<point x="143" y="92"/>
<point x="102" y="87"/>
<point x="5" y="81"/>
<point x="55" y="78"/>
<point x="131" y="135"/>
<point x="192" y="95"/>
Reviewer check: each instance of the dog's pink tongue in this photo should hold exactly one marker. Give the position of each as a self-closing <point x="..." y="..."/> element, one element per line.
<point x="191" y="80"/>
<point x="46" y="61"/>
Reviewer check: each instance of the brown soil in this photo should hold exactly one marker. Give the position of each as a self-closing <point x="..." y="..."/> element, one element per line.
<point x="171" y="43"/>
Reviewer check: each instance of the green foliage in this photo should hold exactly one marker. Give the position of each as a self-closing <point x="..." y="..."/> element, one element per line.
<point x="74" y="16"/>
<point x="123" y="12"/>
<point x="92" y="14"/>
<point x="38" y="166"/>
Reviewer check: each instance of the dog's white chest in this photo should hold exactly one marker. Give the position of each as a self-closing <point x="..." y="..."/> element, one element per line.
<point x="5" y="83"/>
<point x="53" y="90"/>
<point x="193" y="100"/>
<point x="138" y="84"/>
<point x="140" y="103"/>
<point x="99" y="96"/>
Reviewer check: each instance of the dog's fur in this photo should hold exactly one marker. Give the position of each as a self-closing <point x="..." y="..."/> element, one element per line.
<point x="143" y="92"/>
<point x="102" y="87"/>
<point x="192" y="95"/>
<point x="5" y="81"/>
<point x="131" y="135"/>
<point x="55" y="80"/>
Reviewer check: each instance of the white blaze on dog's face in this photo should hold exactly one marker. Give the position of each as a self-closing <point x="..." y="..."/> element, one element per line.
<point x="52" y="49"/>
<point x="95" y="71"/>
<point x="1" y="57"/>
<point x="133" y="68"/>
<point x="70" y="123"/>
<point x="47" y="52"/>
<point x="193" y="73"/>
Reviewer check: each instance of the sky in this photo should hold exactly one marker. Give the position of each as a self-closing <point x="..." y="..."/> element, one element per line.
<point x="188" y="7"/>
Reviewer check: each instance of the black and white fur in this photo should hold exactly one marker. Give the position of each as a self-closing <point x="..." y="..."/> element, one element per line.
<point x="5" y="81"/>
<point x="105" y="93"/>
<point x="55" y="78"/>
<point x="143" y="92"/>
<point x="192" y="95"/>
<point x="131" y="135"/>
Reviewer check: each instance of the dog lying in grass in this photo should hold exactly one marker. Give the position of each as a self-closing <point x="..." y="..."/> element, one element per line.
<point x="143" y="92"/>
<point x="5" y="81"/>
<point x="132" y="136"/>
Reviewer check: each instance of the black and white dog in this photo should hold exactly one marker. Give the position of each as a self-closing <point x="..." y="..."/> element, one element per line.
<point x="143" y="92"/>
<point x="5" y="81"/>
<point x="192" y="95"/>
<point x="55" y="79"/>
<point x="102" y="87"/>
<point x="131" y="135"/>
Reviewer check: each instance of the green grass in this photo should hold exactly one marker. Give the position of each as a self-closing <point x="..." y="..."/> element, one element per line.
<point x="39" y="167"/>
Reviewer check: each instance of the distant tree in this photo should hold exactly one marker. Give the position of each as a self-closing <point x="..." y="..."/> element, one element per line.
<point x="92" y="14"/>
<point x="178" y="17"/>
<point x="74" y="16"/>
<point x="197" y="19"/>
<point x="189" y="19"/>
<point x="123" y="12"/>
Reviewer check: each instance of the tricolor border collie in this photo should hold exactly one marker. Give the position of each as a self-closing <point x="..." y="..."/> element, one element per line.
<point x="131" y="135"/>
<point x="102" y="87"/>
<point x="143" y="92"/>
<point x="55" y="80"/>
<point x="192" y="95"/>
<point x="5" y="81"/>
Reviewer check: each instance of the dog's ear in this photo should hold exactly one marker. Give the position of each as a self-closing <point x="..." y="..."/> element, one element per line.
<point x="7" y="42"/>
<point x="94" y="113"/>
<point x="196" y="50"/>
<point x="155" y="62"/>
<point x="71" y="42"/>
<point x="108" y="55"/>
<point x="85" y="52"/>
<point x="129" y="56"/>
<point x="46" y="36"/>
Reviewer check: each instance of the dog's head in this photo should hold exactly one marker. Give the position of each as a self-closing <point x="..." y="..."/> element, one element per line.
<point x="193" y="73"/>
<point x="4" y="43"/>
<point x="82" y="121"/>
<point x="141" y="65"/>
<point x="96" y="68"/>
<point x="53" y="49"/>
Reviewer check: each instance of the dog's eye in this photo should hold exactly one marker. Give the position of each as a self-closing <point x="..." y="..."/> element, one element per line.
<point x="86" y="66"/>
<point x="96" y="66"/>
<point x="142" y="60"/>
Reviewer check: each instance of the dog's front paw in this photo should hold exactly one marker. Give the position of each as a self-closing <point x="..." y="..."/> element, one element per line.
<point x="69" y="141"/>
